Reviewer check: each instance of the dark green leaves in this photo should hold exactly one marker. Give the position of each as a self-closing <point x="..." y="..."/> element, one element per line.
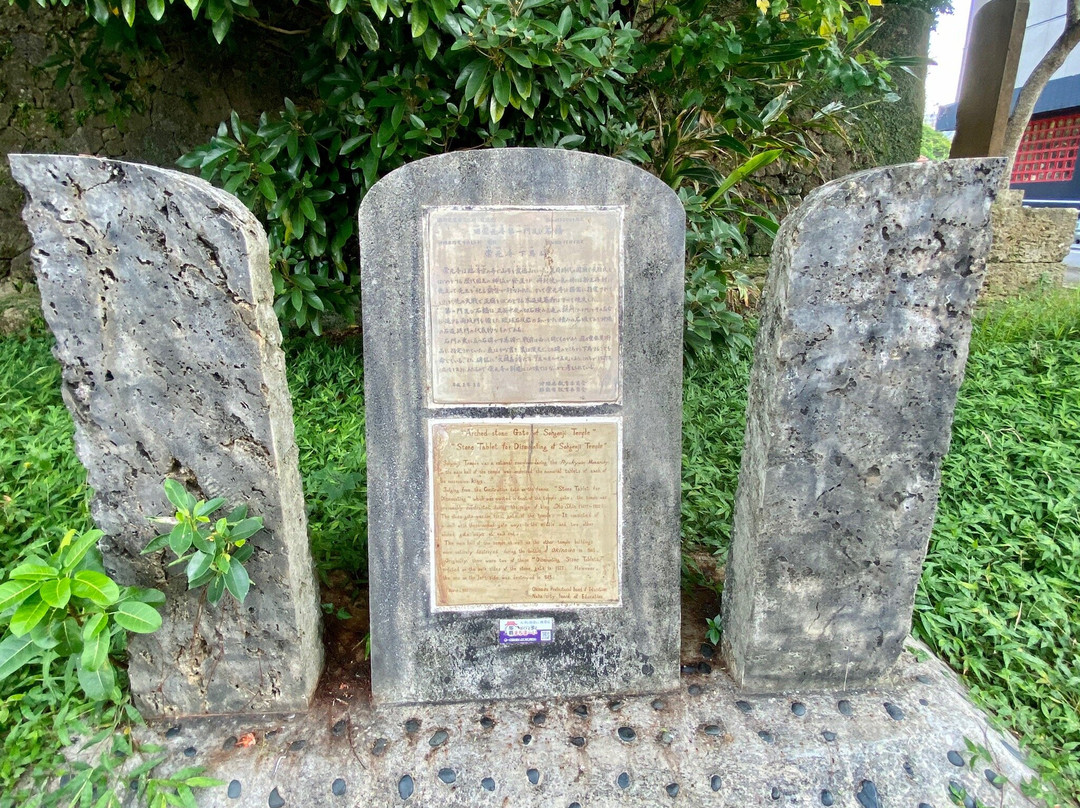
<point x="15" y="652"/>
<point x="178" y="495"/>
<point x="237" y="581"/>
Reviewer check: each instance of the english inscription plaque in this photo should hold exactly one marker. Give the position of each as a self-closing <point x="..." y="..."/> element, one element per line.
<point x="525" y="512"/>
<point x="523" y="304"/>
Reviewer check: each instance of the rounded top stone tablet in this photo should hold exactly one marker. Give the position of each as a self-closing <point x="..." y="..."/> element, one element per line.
<point x="535" y="284"/>
<point x="519" y="176"/>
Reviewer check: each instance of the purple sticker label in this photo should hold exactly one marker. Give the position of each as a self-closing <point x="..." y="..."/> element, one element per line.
<point x="532" y="630"/>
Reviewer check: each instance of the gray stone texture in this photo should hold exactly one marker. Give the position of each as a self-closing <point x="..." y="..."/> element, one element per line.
<point x="1027" y="247"/>
<point x="162" y="105"/>
<point x="709" y="743"/>
<point x="418" y="655"/>
<point x="859" y="355"/>
<point x="157" y="288"/>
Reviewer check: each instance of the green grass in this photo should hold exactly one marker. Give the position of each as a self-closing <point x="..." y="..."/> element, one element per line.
<point x="1053" y="315"/>
<point x="42" y="492"/>
<point x="999" y="598"/>
<point x="327" y="384"/>
<point x="714" y="404"/>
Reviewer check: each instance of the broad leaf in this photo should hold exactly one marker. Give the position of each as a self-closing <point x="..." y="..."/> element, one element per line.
<point x="56" y="592"/>
<point x="246" y="528"/>
<point x="95" y="625"/>
<point x="14" y="653"/>
<point x="28" y="615"/>
<point x="199" y="565"/>
<point x="101" y="589"/>
<point x="68" y="635"/>
<point x="181" y="538"/>
<point x="215" y="589"/>
<point x="33" y="572"/>
<point x="179" y="496"/>
<point x="156" y="543"/>
<point x="237" y="581"/>
<point x="15" y="592"/>
<point x="99" y="684"/>
<point x="72" y="555"/>
<point x="95" y="651"/>
<point x="155" y="597"/>
<point x="137" y="617"/>
<point x="43" y="636"/>
<point x="206" y="508"/>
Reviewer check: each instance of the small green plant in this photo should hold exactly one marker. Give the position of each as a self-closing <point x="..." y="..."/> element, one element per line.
<point x="215" y="551"/>
<point x="339" y="612"/>
<point x="714" y="625"/>
<point x="104" y="784"/>
<point x="65" y="609"/>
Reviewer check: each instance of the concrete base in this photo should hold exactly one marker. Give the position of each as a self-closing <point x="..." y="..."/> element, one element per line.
<point x="703" y="745"/>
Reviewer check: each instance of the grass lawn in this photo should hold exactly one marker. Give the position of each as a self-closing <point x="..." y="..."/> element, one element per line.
<point x="999" y="598"/>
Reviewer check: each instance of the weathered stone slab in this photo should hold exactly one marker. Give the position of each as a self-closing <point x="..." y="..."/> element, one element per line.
<point x="859" y="355"/>
<point x="157" y="287"/>
<point x="522" y="369"/>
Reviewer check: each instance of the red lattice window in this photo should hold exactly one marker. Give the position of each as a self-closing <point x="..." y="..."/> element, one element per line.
<point x="1048" y="149"/>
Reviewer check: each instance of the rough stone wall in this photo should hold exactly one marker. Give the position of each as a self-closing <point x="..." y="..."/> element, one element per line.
<point x="179" y="100"/>
<point x="1028" y="246"/>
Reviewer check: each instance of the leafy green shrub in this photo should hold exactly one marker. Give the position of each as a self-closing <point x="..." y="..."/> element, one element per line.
<point x="391" y="81"/>
<point x="327" y="385"/>
<point x="218" y="549"/>
<point x="66" y="609"/>
<point x="934" y="146"/>
<point x="442" y="76"/>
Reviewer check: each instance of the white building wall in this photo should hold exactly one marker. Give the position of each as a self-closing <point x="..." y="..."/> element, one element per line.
<point x="1046" y="21"/>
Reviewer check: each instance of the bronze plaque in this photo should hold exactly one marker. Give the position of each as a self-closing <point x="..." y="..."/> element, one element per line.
<point x="525" y="512"/>
<point x="523" y="304"/>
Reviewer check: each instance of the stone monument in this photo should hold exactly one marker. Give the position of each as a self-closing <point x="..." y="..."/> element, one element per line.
<point x="157" y="287"/>
<point x="859" y="356"/>
<point x="522" y="314"/>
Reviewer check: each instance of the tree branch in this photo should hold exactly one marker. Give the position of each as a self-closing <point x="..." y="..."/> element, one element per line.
<point x="1035" y="84"/>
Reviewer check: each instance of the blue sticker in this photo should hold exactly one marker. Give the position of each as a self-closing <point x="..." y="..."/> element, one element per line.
<point x="523" y="632"/>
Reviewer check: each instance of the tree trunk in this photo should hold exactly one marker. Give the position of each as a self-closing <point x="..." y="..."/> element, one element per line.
<point x="1036" y="82"/>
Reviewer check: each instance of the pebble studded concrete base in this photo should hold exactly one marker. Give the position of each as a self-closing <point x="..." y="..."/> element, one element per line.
<point x="899" y="745"/>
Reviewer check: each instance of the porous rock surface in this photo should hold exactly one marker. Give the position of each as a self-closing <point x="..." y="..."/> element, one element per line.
<point x="859" y="355"/>
<point x="157" y="288"/>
